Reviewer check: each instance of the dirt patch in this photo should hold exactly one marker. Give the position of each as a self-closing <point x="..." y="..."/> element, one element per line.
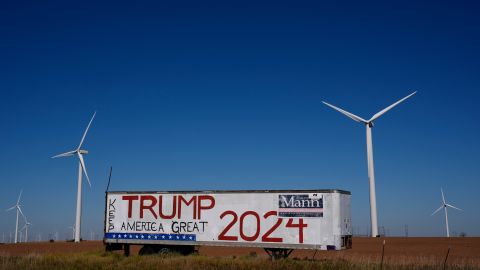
<point x="401" y="250"/>
<point x="21" y="249"/>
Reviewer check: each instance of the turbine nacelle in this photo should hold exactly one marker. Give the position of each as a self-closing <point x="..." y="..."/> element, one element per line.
<point x="71" y="153"/>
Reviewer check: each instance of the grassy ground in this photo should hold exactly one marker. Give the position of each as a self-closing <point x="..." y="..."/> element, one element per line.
<point x="101" y="260"/>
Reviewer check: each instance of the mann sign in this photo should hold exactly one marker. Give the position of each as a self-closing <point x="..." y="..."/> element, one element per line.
<point x="294" y="219"/>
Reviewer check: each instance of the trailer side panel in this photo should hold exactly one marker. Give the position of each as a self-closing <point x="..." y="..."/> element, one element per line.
<point x="313" y="219"/>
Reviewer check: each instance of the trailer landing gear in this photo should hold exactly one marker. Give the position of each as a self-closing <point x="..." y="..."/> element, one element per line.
<point x="115" y="246"/>
<point x="278" y="253"/>
<point x="126" y="250"/>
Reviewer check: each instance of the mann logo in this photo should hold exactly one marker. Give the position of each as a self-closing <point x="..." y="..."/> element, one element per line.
<point x="300" y="205"/>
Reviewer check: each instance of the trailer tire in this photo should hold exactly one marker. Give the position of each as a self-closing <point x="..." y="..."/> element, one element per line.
<point x="186" y="250"/>
<point x="146" y="250"/>
<point x="164" y="251"/>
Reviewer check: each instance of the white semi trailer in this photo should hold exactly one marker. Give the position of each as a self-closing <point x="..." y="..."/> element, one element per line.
<point x="276" y="220"/>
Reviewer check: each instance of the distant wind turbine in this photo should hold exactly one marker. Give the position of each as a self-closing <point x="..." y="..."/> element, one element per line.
<point x="19" y="210"/>
<point x="444" y="206"/>
<point x="25" y="228"/>
<point x="81" y="167"/>
<point x="371" y="174"/>
<point x="73" y="230"/>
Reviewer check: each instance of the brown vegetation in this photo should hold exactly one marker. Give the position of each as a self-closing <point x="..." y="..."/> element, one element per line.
<point x="400" y="253"/>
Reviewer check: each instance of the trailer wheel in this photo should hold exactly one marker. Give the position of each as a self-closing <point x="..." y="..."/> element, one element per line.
<point x="146" y="250"/>
<point x="187" y="250"/>
<point x="164" y="250"/>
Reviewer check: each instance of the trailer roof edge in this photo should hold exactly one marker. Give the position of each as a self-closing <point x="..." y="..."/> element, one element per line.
<point x="239" y="191"/>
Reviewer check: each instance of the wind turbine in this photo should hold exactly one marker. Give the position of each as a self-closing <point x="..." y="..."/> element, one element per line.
<point x="25" y="228"/>
<point x="81" y="167"/>
<point x="371" y="174"/>
<point x="444" y="206"/>
<point x="73" y="230"/>
<point x="19" y="210"/>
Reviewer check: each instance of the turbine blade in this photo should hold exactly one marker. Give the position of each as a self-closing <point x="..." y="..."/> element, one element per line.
<point x="11" y="208"/>
<point x="390" y="107"/>
<point x="80" y="156"/>
<point x="86" y="130"/>
<point x="348" y="114"/>
<point x="66" y="154"/>
<point x="449" y="205"/>
<point x="443" y="197"/>
<point x="19" y="196"/>
<point x="20" y="209"/>
<point x="440" y="208"/>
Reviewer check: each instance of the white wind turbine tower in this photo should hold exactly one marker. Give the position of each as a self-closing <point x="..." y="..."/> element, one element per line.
<point x="19" y="210"/>
<point x="371" y="174"/>
<point x="444" y="206"/>
<point x="81" y="167"/>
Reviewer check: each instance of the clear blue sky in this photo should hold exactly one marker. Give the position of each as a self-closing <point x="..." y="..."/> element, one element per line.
<point x="227" y="95"/>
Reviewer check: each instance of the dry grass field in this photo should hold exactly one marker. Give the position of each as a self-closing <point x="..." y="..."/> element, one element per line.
<point x="400" y="253"/>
